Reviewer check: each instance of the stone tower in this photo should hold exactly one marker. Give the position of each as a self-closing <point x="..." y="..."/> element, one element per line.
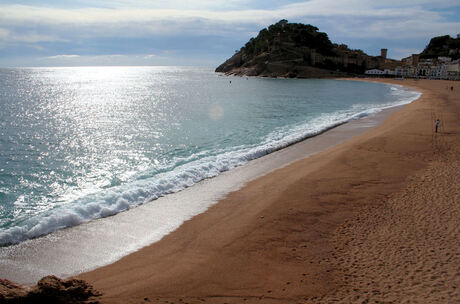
<point x="415" y="59"/>
<point x="383" y="53"/>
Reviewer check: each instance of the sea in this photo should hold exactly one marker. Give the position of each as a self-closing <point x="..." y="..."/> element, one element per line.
<point x="82" y="143"/>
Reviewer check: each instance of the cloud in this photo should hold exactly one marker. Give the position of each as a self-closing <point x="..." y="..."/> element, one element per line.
<point x="110" y="21"/>
<point x="426" y="3"/>
<point x="184" y="5"/>
<point x="63" y="56"/>
<point x="404" y="52"/>
<point x="33" y="37"/>
<point x="109" y="60"/>
<point x="154" y="26"/>
<point x="4" y="33"/>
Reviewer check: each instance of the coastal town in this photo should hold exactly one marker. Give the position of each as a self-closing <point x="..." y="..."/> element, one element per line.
<point x="442" y="67"/>
<point x="417" y="66"/>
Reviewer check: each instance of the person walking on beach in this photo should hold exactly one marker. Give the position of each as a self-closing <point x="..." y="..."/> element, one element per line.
<point x="437" y="125"/>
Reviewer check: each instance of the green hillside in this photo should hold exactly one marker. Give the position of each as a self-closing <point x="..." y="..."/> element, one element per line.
<point x="297" y="50"/>
<point x="442" y="46"/>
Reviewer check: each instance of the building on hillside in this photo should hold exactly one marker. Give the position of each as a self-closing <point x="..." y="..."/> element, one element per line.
<point x="452" y="70"/>
<point x="411" y="60"/>
<point x="439" y="68"/>
<point x="442" y="67"/>
<point x="405" y="71"/>
<point x="444" y="59"/>
<point x="388" y="72"/>
<point x="424" y="69"/>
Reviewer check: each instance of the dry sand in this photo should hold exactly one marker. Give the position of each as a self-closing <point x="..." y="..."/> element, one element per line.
<point x="374" y="219"/>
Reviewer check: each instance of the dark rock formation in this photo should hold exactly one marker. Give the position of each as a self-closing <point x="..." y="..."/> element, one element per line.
<point x="49" y="289"/>
<point x="297" y="50"/>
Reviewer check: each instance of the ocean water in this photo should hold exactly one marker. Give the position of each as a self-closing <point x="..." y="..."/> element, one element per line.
<point x="77" y="144"/>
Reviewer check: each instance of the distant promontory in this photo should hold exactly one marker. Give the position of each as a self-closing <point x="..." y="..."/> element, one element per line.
<point x="297" y="50"/>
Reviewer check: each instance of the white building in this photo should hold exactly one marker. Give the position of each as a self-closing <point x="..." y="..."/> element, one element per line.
<point x="451" y="70"/>
<point x="402" y="71"/>
<point x="379" y="72"/>
<point x="424" y="68"/>
<point x="374" y="72"/>
<point x="388" y="72"/>
<point x="444" y="59"/>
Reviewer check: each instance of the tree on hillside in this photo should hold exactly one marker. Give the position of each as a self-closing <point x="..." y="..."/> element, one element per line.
<point x="302" y="35"/>
<point x="442" y="46"/>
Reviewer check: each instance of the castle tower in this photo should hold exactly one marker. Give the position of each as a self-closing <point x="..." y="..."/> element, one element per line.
<point x="383" y="53"/>
<point x="415" y="59"/>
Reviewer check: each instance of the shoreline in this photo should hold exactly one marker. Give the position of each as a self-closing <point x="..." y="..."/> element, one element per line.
<point x="276" y="238"/>
<point x="119" y="198"/>
<point x="113" y="237"/>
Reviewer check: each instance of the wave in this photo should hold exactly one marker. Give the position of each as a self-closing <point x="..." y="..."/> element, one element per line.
<point x="197" y="168"/>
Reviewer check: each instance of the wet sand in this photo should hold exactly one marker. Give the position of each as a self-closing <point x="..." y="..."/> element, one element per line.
<point x="373" y="219"/>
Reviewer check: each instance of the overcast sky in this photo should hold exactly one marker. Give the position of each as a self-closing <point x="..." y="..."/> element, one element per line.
<point x="205" y="32"/>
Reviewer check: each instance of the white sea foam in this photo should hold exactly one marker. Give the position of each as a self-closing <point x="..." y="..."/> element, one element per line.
<point x="194" y="169"/>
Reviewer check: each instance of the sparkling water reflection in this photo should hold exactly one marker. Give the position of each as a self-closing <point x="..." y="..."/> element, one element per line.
<point x="88" y="142"/>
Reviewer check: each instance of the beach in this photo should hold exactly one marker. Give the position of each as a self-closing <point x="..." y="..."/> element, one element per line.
<point x="268" y="127"/>
<point x="372" y="219"/>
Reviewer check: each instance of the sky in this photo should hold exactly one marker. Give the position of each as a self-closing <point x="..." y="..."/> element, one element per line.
<point x="205" y="32"/>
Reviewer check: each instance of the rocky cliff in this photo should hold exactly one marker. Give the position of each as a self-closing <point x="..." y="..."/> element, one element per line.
<point x="297" y="50"/>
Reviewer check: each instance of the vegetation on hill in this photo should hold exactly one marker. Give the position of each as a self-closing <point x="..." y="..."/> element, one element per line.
<point x="296" y="33"/>
<point x="296" y="50"/>
<point x="445" y="46"/>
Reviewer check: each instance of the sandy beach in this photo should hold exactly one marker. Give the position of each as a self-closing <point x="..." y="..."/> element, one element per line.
<point x="374" y="219"/>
